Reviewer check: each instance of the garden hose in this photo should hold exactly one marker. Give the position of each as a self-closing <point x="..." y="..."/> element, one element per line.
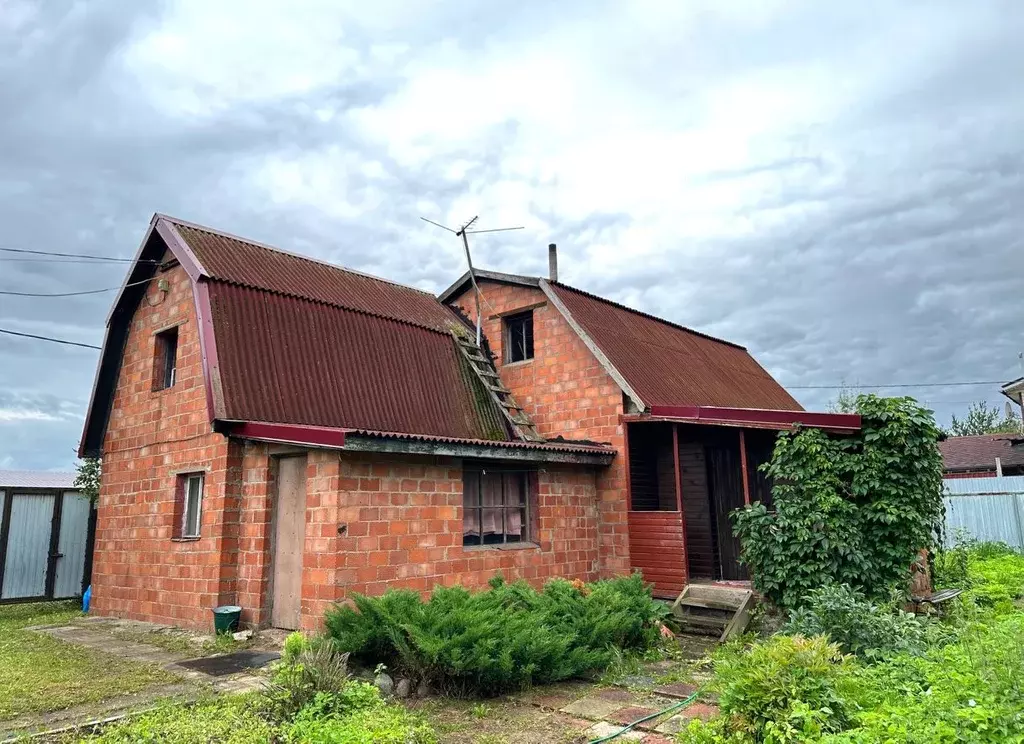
<point x="674" y="707"/>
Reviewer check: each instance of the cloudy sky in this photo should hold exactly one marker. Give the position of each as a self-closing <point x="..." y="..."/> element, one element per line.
<point x="836" y="185"/>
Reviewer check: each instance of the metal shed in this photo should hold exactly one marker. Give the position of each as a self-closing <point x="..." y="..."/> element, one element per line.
<point x="46" y="535"/>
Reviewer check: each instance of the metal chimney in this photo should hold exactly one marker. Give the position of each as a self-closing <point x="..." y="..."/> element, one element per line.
<point x="552" y="262"/>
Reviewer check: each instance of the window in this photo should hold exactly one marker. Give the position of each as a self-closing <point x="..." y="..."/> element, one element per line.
<point x="189" y="506"/>
<point x="519" y="337"/>
<point x="165" y="362"/>
<point x="498" y="507"/>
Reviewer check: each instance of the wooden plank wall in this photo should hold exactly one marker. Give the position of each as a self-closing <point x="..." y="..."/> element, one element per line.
<point x="701" y="546"/>
<point x="657" y="549"/>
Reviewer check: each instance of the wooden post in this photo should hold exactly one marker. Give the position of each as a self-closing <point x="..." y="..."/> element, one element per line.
<point x="743" y="463"/>
<point x="676" y="470"/>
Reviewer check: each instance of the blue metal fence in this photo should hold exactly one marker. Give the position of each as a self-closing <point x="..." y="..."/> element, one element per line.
<point x="989" y="509"/>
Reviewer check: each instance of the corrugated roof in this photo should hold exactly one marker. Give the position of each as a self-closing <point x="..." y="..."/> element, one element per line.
<point x="669" y="365"/>
<point x="295" y="361"/>
<point x="249" y="264"/>
<point x="980" y="452"/>
<point x="36" y="479"/>
<point x="554" y="445"/>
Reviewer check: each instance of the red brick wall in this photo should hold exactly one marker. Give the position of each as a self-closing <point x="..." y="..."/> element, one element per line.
<point x="139" y="570"/>
<point x="567" y="392"/>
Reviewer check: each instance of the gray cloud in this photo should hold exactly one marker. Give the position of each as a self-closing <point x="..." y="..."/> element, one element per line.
<point x="866" y="231"/>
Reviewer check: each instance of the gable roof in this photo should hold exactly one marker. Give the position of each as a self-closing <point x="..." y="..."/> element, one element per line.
<point x="288" y="340"/>
<point x="980" y="452"/>
<point x="657" y="363"/>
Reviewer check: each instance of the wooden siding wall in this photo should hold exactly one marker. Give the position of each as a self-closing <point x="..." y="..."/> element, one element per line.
<point x="658" y="550"/>
<point x="651" y="468"/>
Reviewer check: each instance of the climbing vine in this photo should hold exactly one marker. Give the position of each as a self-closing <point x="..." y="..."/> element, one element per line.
<point x="853" y="510"/>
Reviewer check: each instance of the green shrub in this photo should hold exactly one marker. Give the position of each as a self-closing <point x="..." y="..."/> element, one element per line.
<point x="783" y="690"/>
<point x="307" y="668"/>
<point x="326" y="720"/>
<point x="859" y="626"/>
<point x="228" y="720"/>
<point x="854" y="510"/>
<point x="506" y="638"/>
<point x="992" y="573"/>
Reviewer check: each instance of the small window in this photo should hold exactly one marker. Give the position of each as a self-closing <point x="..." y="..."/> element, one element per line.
<point x="165" y="362"/>
<point x="498" y="507"/>
<point x="519" y="337"/>
<point x="189" y="503"/>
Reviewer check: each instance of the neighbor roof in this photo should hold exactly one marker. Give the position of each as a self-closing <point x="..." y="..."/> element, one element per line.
<point x="657" y="363"/>
<point x="36" y="479"/>
<point x="980" y="452"/>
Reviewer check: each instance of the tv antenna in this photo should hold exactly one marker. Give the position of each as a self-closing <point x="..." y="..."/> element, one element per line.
<point x="463" y="232"/>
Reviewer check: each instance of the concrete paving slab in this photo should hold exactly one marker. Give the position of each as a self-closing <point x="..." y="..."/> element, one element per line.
<point x="603" y="728"/>
<point x="592" y="707"/>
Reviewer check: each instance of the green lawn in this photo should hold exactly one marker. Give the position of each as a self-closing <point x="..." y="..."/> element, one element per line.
<point x="40" y="674"/>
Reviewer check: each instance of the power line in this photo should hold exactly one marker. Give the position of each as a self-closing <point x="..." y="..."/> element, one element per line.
<point x="48" y="338"/>
<point x="70" y="294"/>
<point x="896" y="385"/>
<point x="77" y="255"/>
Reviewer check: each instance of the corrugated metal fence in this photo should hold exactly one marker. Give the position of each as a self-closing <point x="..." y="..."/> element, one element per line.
<point x="990" y="509"/>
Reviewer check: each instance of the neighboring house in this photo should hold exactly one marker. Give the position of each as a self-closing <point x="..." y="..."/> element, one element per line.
<point x="277" y="433"/>
<point x="982" y="456"/>
<point x="45" y="536"/>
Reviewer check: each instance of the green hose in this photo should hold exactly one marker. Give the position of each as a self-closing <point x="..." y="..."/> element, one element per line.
<point x="675" y="706"/>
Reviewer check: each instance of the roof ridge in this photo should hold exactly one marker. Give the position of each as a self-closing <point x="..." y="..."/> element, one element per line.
<point x="338" y="305"/>
<point x="275" y="249"/>
<point x="641" y="313"/>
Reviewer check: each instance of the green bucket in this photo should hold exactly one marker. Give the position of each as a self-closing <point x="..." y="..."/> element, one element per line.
<point x="226" y="618"/>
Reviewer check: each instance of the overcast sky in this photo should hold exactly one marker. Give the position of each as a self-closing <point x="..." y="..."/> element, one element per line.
<point x="836" y="185"/>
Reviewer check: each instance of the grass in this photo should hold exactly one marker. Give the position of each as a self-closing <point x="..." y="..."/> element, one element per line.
<point x="39" y="673"/>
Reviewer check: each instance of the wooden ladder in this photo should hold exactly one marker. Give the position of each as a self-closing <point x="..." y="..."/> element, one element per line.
<point x="714" y="610"/>
<point x="521" y="424"/>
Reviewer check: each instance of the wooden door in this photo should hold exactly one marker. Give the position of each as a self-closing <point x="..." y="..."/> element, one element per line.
<point x="289" y="542"/>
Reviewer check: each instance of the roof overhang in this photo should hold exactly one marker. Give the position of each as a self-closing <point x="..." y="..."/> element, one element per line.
<point x="1014" y="390"/>
<point x="463" y="283"/>
<point x="754" y="418"/>
<point x="354" y="440"/>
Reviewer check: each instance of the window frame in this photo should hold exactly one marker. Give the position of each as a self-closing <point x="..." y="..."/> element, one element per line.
<point x="165" y="358"/>
<point x="184" y="513"/>
<point x="529" y="341"/>
<point x="526" y="505"/>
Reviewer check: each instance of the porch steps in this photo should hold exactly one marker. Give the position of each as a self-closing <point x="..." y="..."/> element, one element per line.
<point x="521" y="424"/>
<point x="707" y="609"/>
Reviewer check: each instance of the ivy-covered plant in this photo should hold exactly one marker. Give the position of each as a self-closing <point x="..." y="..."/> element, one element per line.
<point x="850" y="510"/>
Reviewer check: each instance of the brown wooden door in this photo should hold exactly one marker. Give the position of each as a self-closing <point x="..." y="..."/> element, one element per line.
<point x="289" y="541"/>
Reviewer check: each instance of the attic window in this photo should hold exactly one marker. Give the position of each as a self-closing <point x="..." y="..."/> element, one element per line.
<point x="519" y="337"/>
<point x="165" y="359"/>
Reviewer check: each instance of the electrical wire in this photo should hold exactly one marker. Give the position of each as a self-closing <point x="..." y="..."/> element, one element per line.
<point x="70" y="294"/>
<point x="895" y="385"/>
<point x="48" y="338"/>
<point x="77" y="255"/>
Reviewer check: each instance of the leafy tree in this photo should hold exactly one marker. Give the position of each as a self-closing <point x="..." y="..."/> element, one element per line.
<point x="853" y="510"/>
<point x="981" y="419"/>
<point x="845" y="401"/>
<point x="87" y="478"/>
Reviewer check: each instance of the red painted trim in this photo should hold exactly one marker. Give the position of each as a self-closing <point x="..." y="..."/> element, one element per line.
<point x="180" y="249"/>
<point x="757" y="417"/>
<point x="208" y="349"/>
<point x="743" y="466"/>
<point x="290" y="433"/>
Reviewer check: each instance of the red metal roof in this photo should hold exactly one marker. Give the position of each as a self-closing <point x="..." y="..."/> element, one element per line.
<point x="288" y="360"/>
<point x="669" y="365"/>
<point x="248" y="264"/>
<point x="980" y="452"/>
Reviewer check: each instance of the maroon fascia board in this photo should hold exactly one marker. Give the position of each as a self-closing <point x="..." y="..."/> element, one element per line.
<point x="290" y="433"/>
<point x="180" y="249"/>
<point x="758" y="417"/>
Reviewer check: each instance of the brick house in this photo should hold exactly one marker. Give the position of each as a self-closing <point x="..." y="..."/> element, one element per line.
<point x="277" y="432"/>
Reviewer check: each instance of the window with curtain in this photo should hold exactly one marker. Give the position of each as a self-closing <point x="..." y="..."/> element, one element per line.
<point x="498" y="507"/>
